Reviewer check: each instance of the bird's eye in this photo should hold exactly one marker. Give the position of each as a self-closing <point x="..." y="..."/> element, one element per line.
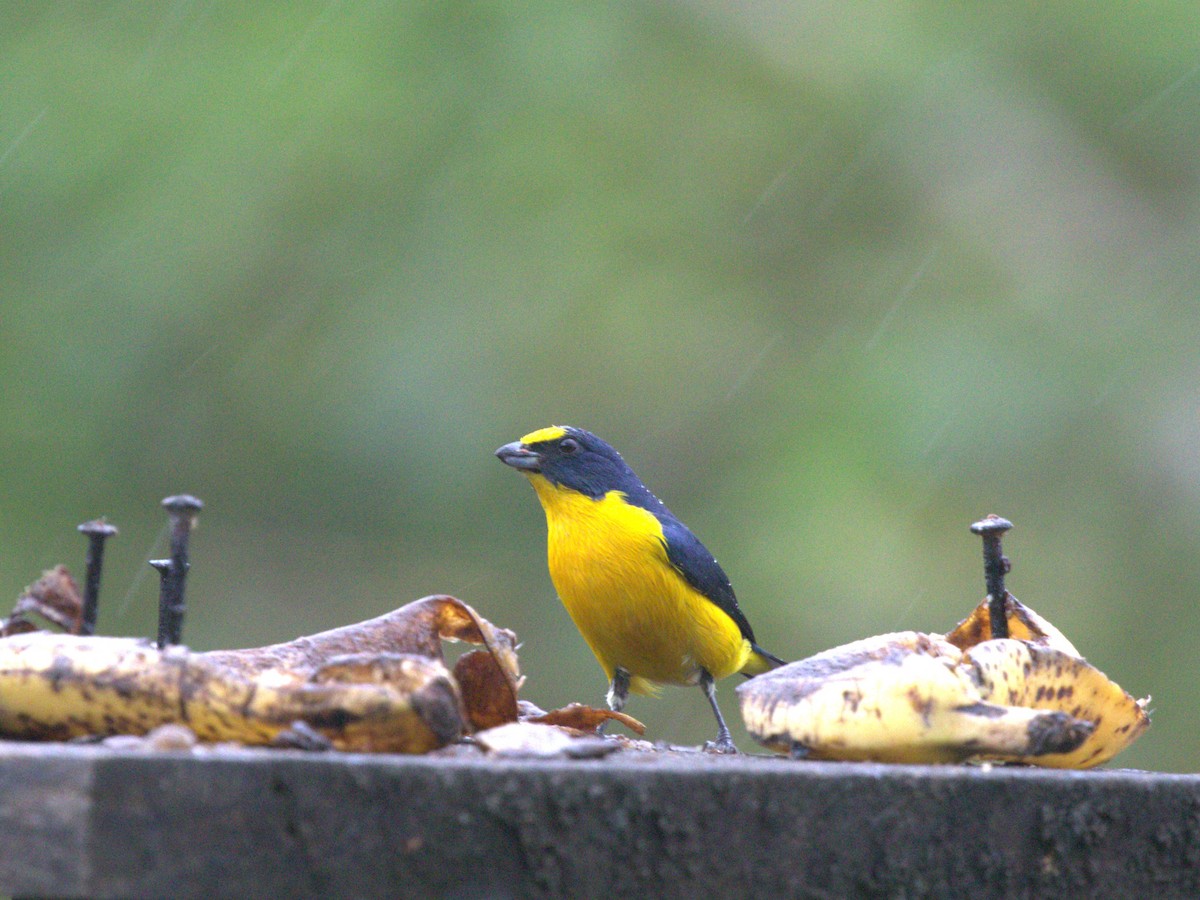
<point x="568" y="445"/>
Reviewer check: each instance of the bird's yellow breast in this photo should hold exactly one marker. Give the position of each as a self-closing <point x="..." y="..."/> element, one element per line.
<point x="609" y="564"/>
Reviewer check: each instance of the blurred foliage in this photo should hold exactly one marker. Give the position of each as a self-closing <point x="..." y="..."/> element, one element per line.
<point x="837" y="280"/>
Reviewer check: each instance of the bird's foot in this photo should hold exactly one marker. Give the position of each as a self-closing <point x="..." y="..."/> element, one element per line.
<point x="723" y="744"/>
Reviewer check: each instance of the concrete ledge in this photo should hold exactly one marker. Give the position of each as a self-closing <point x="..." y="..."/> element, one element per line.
<point x="91" y="822"/>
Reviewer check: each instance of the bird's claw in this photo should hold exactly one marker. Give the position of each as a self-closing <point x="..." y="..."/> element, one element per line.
<point x="725" y="745"/>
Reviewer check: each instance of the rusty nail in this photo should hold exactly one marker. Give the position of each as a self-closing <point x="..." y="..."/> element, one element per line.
<point x="995" y="567"/>
<point x="98" y="531"/>
<point x="182" y="508"/>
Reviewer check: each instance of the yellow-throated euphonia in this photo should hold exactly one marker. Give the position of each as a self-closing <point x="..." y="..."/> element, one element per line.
<point x="648" y="597"/>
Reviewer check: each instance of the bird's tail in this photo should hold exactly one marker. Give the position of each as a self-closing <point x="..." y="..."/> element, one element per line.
<point x="760" y="661"/>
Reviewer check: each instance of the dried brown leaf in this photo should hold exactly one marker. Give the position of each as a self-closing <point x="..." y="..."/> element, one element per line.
<point x="55" y="597"/>
<point x="581" y="717"/>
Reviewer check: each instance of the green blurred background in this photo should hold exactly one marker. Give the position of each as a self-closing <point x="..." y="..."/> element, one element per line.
<point x="838" y="280"/>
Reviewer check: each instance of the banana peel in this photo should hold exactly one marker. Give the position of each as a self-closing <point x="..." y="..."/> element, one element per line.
<point x="380" y="685"/>
<point x="911" y="697"/>
<point x="566" y="733"/>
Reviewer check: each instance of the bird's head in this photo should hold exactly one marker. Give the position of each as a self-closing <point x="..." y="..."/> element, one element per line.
<point x="571" y="458"/>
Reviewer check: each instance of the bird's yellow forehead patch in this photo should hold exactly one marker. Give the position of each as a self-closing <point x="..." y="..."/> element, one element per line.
<point x="553" y="433"/>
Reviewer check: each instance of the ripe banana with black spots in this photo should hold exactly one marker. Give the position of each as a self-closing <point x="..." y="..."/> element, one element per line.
<point x="381" y="685"/>
<point x="921" y="698"/>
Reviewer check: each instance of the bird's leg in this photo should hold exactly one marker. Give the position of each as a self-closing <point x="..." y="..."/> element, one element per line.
<point x="618" y="693"/>
<point x="724" y="741"/>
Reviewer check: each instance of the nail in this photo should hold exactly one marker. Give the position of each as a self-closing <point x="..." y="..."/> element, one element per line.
<point x="98" y="531"/>
<point x="182" y="508"/>
<point x="163" y="567"/>
<point x="995" y="567"/>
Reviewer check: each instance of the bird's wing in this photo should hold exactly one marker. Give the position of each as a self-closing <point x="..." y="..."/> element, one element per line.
<point x="698" y="567"/>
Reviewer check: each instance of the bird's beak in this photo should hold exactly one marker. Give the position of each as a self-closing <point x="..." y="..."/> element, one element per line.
<point x="520" y="457"/>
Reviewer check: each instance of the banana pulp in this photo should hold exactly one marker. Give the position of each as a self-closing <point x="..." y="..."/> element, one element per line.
<point x="380" y="685"/>
<point x="927" y="698"/>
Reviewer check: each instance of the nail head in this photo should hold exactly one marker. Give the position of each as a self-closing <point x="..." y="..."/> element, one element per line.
<point x="98" y="527"/>
<point x="993" y="524"/>
<point x="182" y="503"/>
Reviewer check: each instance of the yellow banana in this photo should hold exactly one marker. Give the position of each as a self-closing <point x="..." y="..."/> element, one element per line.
<point x="380" y="685"/>
<point x="912" y="697"/>
<point x="1059" y="681"/>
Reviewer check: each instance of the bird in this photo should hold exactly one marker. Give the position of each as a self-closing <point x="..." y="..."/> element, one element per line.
<point x="648" y="597"/>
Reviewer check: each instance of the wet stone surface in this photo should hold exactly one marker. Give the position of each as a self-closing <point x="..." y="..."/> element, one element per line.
<point x="81" y="821"/>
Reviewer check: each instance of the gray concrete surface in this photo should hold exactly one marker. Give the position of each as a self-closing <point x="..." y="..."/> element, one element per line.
<point x="91" y="822"/>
